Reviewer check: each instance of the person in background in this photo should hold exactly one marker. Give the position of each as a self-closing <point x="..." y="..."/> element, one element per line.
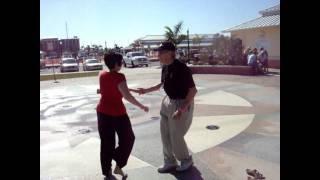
<point x="263" y="58"/>
<point x="245" y="55"/>
<point x="252" y="61"/>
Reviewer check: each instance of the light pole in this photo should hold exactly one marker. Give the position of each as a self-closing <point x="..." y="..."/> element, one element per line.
<point x="53" y="68"/>
<point x="188" y="46"/>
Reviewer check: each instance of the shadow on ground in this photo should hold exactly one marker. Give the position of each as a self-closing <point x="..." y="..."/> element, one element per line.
<point x="192" y="174"/>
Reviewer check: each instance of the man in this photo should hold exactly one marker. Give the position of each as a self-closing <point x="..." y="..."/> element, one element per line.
<point x="245" y="55"/>
<point x="252" y="61"/>
<point x="263" y="58"/>
<point x="176" y="109"/>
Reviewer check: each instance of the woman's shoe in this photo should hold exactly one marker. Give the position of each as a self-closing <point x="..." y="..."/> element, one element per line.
<point x="118" y="170"/>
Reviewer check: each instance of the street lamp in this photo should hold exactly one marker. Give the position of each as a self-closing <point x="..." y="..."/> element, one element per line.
<point x="188" y="45"/>
<point x="53" y="69"/>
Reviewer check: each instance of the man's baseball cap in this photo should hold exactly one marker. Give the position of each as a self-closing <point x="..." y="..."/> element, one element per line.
<point x="166" y="46"/>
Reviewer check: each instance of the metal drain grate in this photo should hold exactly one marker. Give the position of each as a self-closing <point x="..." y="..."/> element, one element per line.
<point x="155" y="118"/>
<point x="212" y="127"/>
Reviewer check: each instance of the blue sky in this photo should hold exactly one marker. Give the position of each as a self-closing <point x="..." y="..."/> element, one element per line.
<point x="123" y="21"/>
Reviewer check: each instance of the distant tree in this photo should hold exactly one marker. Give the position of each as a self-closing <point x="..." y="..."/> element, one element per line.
<point x="88" y="50"/>
<point x="116" y="48"/>
<point x="135" y="44"/>
<point x="174" y="35"/>
<point x="220" y="46"/>
<point x="226" y="49"/>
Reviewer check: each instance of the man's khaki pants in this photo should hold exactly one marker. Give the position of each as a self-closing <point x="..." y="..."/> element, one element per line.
<point x="173" y="130"/>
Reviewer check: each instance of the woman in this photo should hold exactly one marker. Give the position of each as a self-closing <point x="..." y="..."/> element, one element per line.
<point x="113" y="118"/>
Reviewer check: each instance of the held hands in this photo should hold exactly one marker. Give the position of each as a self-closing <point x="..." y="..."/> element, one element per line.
<point x="145" y="108"/>
<point x="139" y="91"/>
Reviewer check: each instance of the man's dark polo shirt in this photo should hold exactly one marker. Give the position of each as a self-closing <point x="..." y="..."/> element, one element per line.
<point x="177" y="80"/>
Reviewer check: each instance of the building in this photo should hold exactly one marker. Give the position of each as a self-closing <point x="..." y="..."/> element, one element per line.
<point x="262" y="32"/>
<point x="42" y="55"/>
<point x="71" y="46"/>
<point x="53" y="47"/>
<point x="50" y="46"/>
<point x="151" y="42"/>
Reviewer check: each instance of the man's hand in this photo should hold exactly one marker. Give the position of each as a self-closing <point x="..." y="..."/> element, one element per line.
<point x="145" y="108"/>
<point x="133" y="90"/>
<point x="177" y="114"/>
<point x="141" y="91"/>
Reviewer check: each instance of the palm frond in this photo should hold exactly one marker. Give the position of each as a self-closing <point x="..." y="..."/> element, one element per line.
<point x="181" y="38"/>
<point x="178" y="28"/>
<point x="169" y="30"/>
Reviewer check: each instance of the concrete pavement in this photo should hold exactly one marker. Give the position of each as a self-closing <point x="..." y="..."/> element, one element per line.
<point x="246" y="109"/>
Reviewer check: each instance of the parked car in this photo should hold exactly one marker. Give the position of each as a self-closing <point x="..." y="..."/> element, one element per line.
<point x="67" y="56"/>
<point x="135" y="59"/>
<point x="69" y="64"/>
<point x="42" y="64"/>
<point x="92" y="64"/>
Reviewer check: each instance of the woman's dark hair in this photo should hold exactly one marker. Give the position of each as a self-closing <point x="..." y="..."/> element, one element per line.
<point x="111" y="59"/>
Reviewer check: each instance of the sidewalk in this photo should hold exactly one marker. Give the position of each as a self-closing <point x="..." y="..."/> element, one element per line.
<point x="246" y="109"/>
<point x="274" y="71"/>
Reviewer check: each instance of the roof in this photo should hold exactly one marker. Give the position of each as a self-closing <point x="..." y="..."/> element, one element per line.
<point x="153" y="37"/>
<point x="270" y="17"/>
<point x="162" y="37"/>
<point x="194" y="45"/>
<point x="49" y="39"/>
<point x="266" y="21"/>
<point x="275" y="10"/>
<point x="151" y="46"/>
<point x="182" y="45"/>
<point x="191" y="36"/>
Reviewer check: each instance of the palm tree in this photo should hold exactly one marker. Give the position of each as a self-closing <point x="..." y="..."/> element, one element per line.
<point x="135" y="44"/>
<point x="88" y="50"/>
<point x="174" y="35"/>
<point x="100" y="50"/>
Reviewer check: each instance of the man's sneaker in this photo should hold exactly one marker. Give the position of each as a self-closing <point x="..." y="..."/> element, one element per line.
<point x="167" y="168"/>
<point x="185" y="165"/>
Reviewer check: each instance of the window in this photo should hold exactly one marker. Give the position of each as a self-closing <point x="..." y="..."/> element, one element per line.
<point x="137" y="54"/>
<point x="69" y="61"/>
<point x="92" y="61"/>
